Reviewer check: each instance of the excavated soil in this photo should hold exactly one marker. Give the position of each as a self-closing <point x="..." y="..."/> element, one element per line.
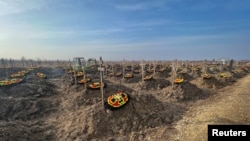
<point x="56" y="109"/>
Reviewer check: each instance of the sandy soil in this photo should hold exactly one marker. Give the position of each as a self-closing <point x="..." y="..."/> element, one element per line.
<point x="230" y="106"/>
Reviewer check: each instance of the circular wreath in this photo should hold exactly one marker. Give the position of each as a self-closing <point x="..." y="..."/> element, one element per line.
<point x="128" y="75"/>
<point x="206" y="76"/>
<point x="78" y="74"/>
<point x="223" y="75"/>
<point x="10" y="81"/>
<point x="84" y="80"/>
<point x="148" y="77"/>
<point x="96" y="85"/>
<point x="178" y="80"/>
<point x="117" y="100"/>
<point x="17" y="75"/>
<point x="40" y="75"/>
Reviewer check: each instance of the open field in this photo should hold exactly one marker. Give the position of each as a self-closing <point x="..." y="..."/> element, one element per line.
<point x="55" y="108"/>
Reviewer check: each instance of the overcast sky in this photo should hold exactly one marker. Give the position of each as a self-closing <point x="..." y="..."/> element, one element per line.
<point x="125" y="29"/>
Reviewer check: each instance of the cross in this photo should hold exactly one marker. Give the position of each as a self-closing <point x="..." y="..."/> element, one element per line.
<point x="142" y="72"/>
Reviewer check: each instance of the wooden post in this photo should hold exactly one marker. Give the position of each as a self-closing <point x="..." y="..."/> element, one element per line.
<point x="231" y="65"/>
<point x="10" y="62"/>
<point x="205" y="66"/>
<point x="101" y="69"/>
<point x="221" y="66"/>
<point x="173" y="72"/>
<point x="154" y="65"/>
<point x="173" y="68"/>
<point x="74" y="72"/>
<point x="142" y="70"/>
<point x="123" y="70"/>
<point x="112" y="67"/>
<point x="70" y="64"/>
<point x="84" y="76"/>
<point x="132" y="67"/>
<point x="106" y="71"/>
<point x="204" y="72"/>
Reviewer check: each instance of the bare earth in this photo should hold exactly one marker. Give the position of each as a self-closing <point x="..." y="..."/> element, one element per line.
<point x="230" y="106"/>
<point x="53" y="109"/>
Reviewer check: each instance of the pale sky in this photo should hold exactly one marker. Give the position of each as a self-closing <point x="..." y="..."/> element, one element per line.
<point x="125" y="29"/>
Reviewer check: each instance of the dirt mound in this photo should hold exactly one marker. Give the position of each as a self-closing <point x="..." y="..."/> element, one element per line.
<point x="25" y="107"/>
<point x="6" y="72"/>
<point x="85" y="118"/>
<point x="141" y="112"/>
<point x="154" y="84"/>
<point x="134" y="79"/>
<point x="181" y="92"/>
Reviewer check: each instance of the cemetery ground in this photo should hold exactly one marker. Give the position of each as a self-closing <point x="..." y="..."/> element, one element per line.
<point x="55" y="108"/>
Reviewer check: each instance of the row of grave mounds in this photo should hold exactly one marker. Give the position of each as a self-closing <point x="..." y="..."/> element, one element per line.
<point x="191" y="79"/>
<point x="31" y="86"/>
<point x="29" y="99"/>
<point x="137" y="78"/>
<point x="24" y="107"/>
<point x="157" y="82"/>
<point x="50" y="72"/>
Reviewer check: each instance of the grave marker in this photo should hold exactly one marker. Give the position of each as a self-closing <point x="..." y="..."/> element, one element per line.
<point x="101" y="69"/>
<point x="231" y="65"/>
<point x="142" y="70"/>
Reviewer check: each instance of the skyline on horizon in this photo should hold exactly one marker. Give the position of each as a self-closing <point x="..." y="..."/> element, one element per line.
<point x="130" y="30"/>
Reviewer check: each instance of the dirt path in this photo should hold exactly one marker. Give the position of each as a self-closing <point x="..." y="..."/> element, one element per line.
<point x="230" y="106"/>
